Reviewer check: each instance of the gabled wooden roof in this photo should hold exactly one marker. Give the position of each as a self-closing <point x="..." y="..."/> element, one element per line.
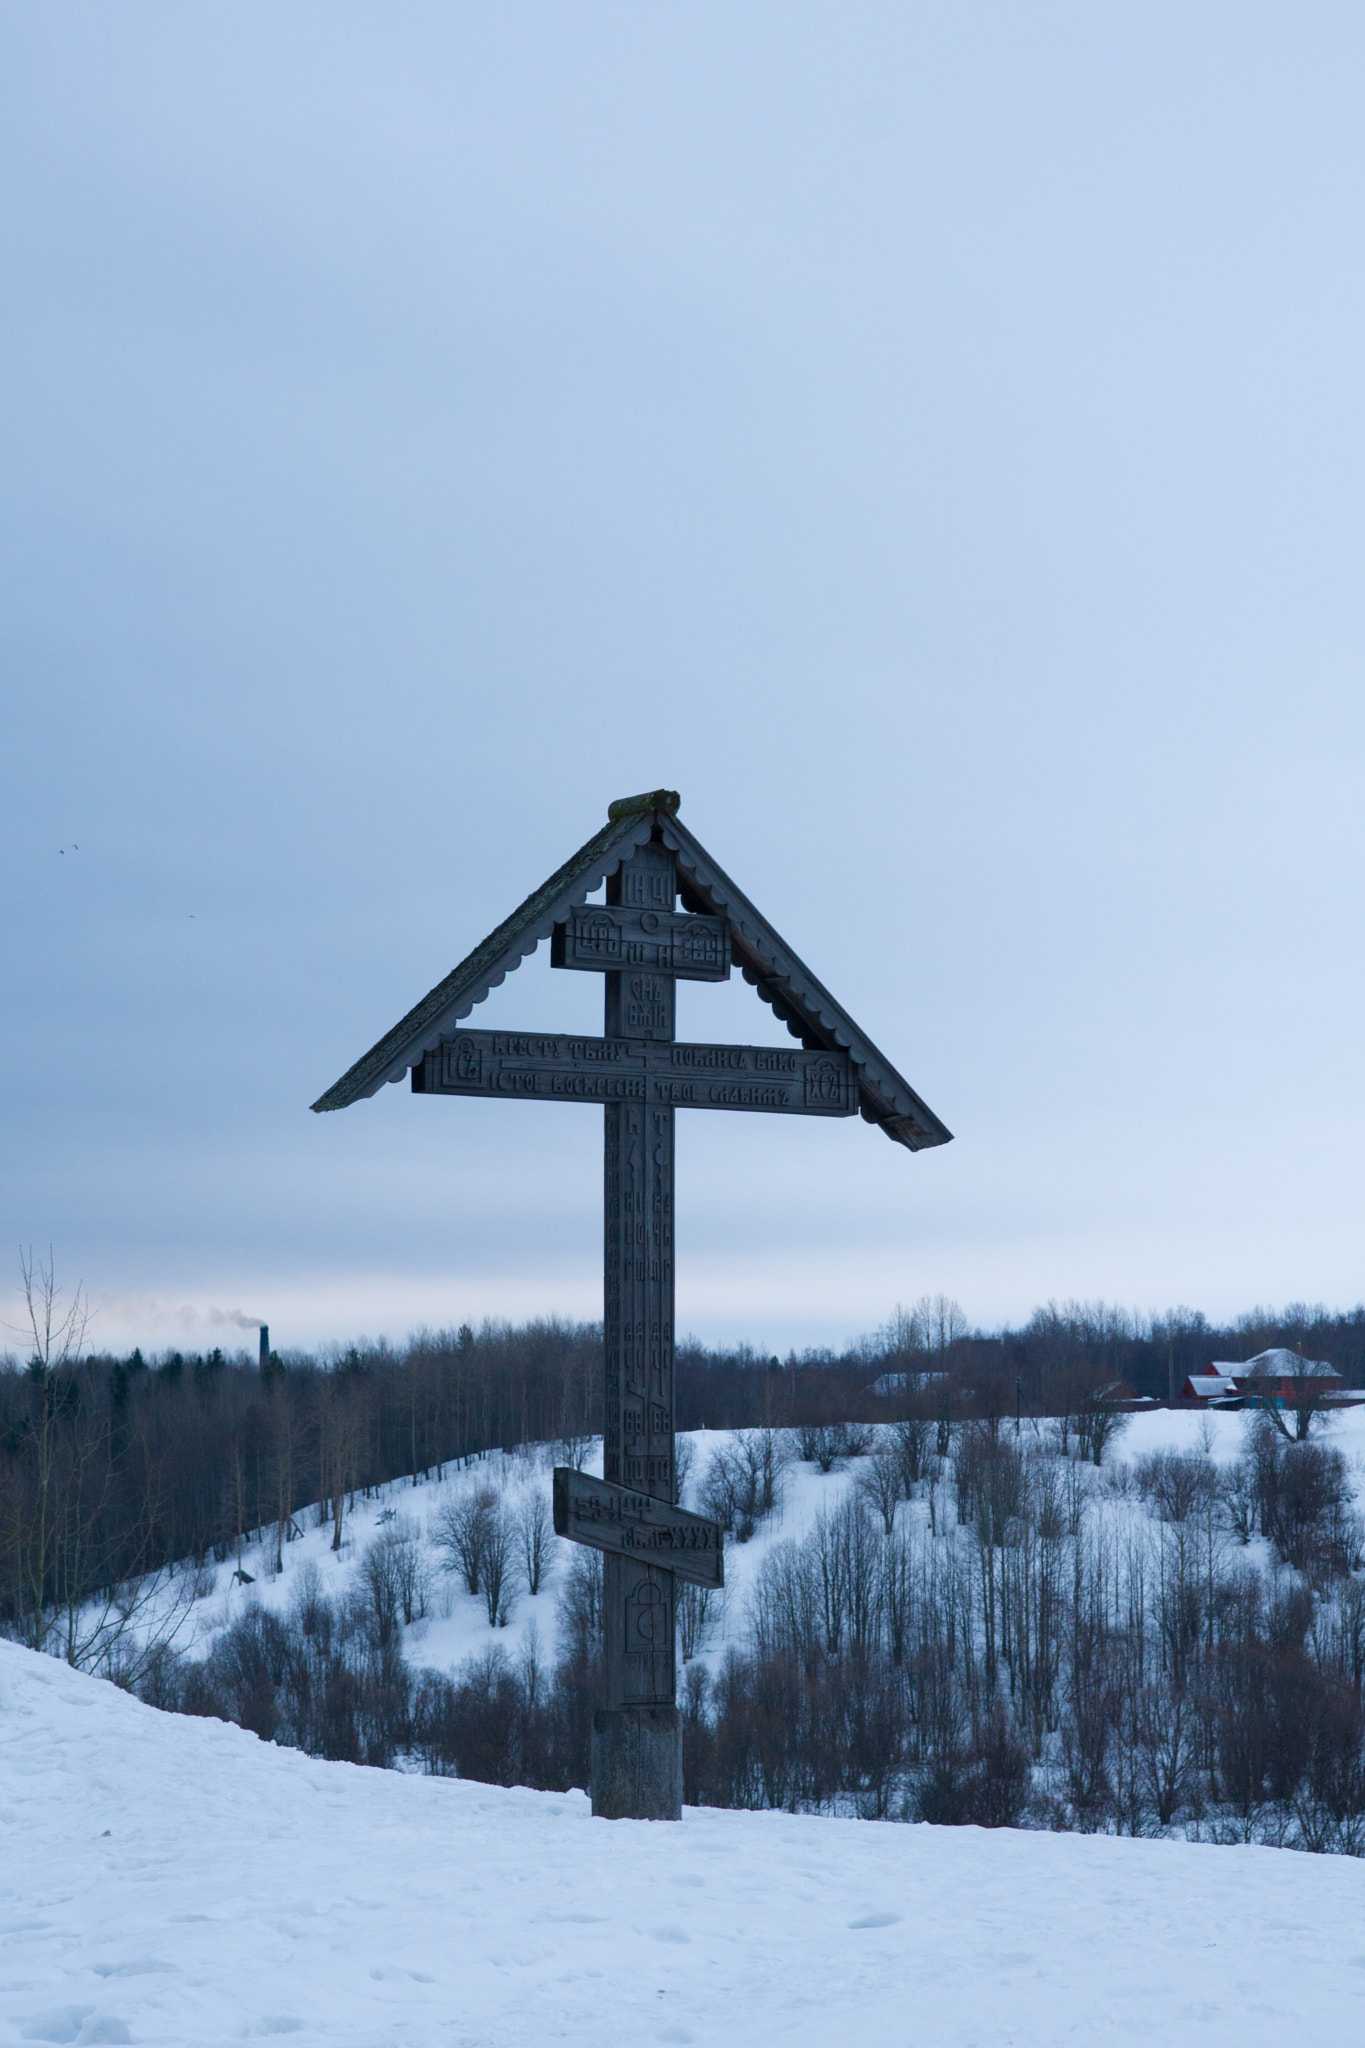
<point x="802" y="1002"/>
<point x="778" y="973"/>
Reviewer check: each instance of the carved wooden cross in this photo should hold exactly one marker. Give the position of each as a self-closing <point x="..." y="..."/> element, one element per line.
<point x="642" y="944"/>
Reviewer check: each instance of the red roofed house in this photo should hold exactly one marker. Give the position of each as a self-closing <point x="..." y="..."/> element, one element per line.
<point x="1208" y="1386"/>
<point x="1275" y="1375"/>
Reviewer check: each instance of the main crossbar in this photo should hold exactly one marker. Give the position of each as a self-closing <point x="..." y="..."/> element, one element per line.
<point x="557" y="1067"/>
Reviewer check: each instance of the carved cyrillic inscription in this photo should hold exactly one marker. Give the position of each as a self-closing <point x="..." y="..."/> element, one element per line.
<point x="826" y="1080"/>
<point x="647" y="1003"/>
<point x="637" y="1437"/>
<point x="637" y="1322"/>
<point x="607" y="937"/>
<point x="638" y="1299"/>
<point x="553" y="1067"/>
<point x="647" y="881"/>
<point x="543" y="1067"/>
<point x="618" y="1519"/>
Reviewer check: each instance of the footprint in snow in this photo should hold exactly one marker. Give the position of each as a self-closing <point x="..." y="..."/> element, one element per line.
<point x="78" y="2025"/>
<point x="876" y="1920"/>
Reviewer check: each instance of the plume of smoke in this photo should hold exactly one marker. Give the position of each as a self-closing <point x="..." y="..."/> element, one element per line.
<point x="144" y="1311"/>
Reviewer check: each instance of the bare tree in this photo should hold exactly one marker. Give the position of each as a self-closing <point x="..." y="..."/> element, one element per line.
<point x="941" y="1322"/>
<point x="411" y="1573"/>
<point x="1098" y="1423"/>
<point x="534" y="1528"/>
<point x="338" y="1454"/>
<point x="909" y="1440"/>
<point x="1311" y="1397"/>
<point x="55" y="1327"/>
<point x="55" y="1330"/>
<point x="461" y="1533"/>
<point x="1177" y="1483"/>
<point x="1238" y="1497"/>
<point x="698" y="1611"/>
<point x="65" y="1590"/>
<point x="580" y="1604"/>
<point x="1166" y="1731"/>
<point x="825" y="1444"/>
<point x="882" y="1484"/>
<point x="282" y="1458"/>
<point x="1307" y="1507"/>
<point x="379" y="1592"/>
<point x="744" y="1480"/>
<point x="495" y="1568"/>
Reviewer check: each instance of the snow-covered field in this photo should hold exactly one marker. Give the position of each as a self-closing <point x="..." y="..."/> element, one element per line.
<point x="175" y="1880"/>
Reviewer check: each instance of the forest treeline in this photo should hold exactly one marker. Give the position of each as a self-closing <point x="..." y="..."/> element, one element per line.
<point x="112" y="1467"/>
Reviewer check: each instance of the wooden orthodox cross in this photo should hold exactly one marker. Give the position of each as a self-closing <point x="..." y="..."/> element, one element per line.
<point x="642" y="945"/>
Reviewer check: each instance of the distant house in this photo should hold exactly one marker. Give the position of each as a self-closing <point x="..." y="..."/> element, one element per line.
<point x="1283" y="1375"/>
<point x="1118" y="1394"/>
<point x="1208" y="1386"/>
<point x="1275" y="1375"/>
<point x="889" y="1383"/>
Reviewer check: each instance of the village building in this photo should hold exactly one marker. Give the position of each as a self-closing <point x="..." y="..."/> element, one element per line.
<point x="1274" y="1375"/>
<point x="1204" y="1387"/>
<point x="888" y="1384"/>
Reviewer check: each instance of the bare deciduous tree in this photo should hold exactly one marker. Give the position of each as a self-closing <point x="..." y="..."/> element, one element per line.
<point x="743" y="1481"/>
<point x="1177" y="1483"/>
<point x="461" y="1532"/>
<point x="1098" y="1422"/>
<point x="495" y="1568"/>
<point x="534" y="1528"/>
<point x="698" y="1612"/>
<point x="882" y="1484"/>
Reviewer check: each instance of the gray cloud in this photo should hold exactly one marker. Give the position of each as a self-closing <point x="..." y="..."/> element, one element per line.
<point x="930" y="440"/>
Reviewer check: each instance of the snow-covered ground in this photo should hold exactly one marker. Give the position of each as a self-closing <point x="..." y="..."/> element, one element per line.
<point x="175" y="1880"/>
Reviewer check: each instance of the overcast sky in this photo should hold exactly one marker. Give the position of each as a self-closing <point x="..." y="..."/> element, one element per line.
<point x="927" y="436"/>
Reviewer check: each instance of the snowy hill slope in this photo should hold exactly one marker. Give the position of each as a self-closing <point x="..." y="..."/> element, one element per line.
<point x="456" y="1626"/>
<point x="173" y="1880"/>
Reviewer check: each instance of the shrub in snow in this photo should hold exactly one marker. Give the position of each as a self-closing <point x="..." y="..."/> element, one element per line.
<point x="1305" y="1507"/>
<point x="1178" y="1484"/>
<point x="743" y="1481"/>
<point x="827" y="1444"/>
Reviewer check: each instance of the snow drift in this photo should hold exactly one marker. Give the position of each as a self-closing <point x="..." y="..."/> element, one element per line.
<point x="175" y="1880"/>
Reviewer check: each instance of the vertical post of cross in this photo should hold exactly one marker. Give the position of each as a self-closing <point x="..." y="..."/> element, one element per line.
<point x="637" y="1736"/>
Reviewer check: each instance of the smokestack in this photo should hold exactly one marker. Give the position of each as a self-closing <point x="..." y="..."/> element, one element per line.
<point x="265" y="1343"/>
